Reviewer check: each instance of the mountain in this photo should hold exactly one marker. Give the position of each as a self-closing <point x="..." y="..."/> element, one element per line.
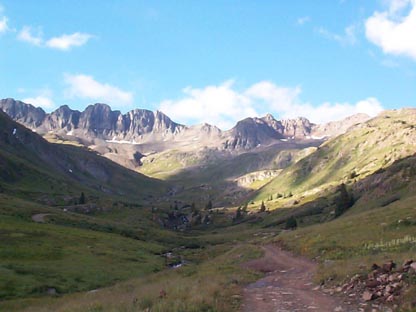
<point x="96" y="121"/>
<point x="23" y="113"/>
<point x="151" y="143"/>
<point x="253" y="132"/>
<point x="142" y="126"/>
<point x="335" y="128"/>
<point x="32" y="166"/>
<point x="361" y="151"/>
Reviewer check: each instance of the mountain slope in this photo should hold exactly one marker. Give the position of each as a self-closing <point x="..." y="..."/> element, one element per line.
<point x="29" y="163"/>
<point x="356" y="154"/>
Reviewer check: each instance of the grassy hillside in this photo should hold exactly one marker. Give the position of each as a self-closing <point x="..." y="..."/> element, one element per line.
<point x="358" y="153"/>
<point x="73" y="252"/>
<point x="108" y="255"/>
<point x="31" y="167"/>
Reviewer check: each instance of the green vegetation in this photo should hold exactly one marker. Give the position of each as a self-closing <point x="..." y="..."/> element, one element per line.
<point x="360" y="152"/>
<point x="352" y="243"/>
<point x="37" y="257"/>
<point x="104" y="238"/>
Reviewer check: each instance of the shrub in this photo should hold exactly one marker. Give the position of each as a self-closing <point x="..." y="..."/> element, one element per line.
<point x="291" y="223"/>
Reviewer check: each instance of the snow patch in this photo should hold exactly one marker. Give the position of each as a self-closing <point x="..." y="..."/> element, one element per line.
<point x="319" y="137"/>
<point x="132" y="142"/>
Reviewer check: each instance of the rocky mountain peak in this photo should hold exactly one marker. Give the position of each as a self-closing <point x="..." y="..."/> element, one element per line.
<point x="99" y="121"/>
<point x="23" y="113"/>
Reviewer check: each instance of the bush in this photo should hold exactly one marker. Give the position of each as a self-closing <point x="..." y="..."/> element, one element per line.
<point x="291" y="223"/>
<point x="344" y="201"/>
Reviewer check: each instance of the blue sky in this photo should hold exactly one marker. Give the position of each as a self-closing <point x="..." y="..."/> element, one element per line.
<point x="211" y="61"/>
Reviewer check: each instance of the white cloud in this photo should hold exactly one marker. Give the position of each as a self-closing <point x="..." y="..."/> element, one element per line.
<point x="394" y="30"/>
<point x="347" y="38"/>
<point x="26" y="35"/>
<point x="303" y="20"/>
<point x="223" y="105"/>
<point x="43" y="99"/>
<point x="84" y="86"/>
<point x="65" y="42"/>
<point x="3" y="24"/>
<point x="277" y="98"/>
<point x="40" y="101"/>
<point x="219" y="105"/>
<point x="334" y="111"/>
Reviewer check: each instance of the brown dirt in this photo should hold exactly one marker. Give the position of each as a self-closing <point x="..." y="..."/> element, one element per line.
<point x="40" y="217"/>
<point x="288" y="286"/>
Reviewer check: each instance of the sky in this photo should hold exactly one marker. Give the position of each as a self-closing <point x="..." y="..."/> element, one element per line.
<point x="211" y="61"/>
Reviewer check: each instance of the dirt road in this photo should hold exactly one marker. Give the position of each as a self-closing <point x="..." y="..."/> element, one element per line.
<point x="287" y="286"/>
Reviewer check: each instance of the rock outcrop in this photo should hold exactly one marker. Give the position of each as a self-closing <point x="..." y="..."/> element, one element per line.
<point x="23" y="113"/>
<point x="98" y="121"/>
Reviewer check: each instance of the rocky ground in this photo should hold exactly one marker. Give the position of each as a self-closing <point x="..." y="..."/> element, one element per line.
<point x="288" y="286"/>
<point x="381" y="289"/>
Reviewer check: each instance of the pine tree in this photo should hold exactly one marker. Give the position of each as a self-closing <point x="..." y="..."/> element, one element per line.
<point x="82" y="199"/>
<point x="208" y="206"/>
<point x="344" y="201"/>
<point x="262" y="207"/>
<point x="238" y="214"/>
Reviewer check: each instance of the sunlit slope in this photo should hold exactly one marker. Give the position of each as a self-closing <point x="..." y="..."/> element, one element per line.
<point x="361" y="151"/>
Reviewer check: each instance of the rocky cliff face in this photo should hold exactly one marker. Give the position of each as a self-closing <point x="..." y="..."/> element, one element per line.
<point x="96" y="121"/>
<point x="250" y="133"/>
<point x="253" y="132"/>
<point x="23" y="113"/>
<point x="62" y="119"/>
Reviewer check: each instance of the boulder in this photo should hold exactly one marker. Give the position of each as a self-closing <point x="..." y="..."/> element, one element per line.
<point x="368" y="295"/>
<point x="389" y="266"/>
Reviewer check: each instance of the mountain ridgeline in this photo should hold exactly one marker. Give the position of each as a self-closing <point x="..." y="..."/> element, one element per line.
<point x="138" y="126"/>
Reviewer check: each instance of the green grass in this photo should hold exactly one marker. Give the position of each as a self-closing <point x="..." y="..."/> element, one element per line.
<point x="358" y="240"/>
<point x="76" y="253"/>
<point x="35" y="257"/>
<point x="352" y="156"/>
<point x="214" y="285"/>
<point x="116" y="249"/>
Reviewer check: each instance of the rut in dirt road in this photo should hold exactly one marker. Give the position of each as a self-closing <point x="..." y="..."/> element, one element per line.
<point x="287" y="287"/>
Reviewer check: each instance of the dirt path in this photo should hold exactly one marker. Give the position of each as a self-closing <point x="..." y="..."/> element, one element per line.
<point x="40" y="217"/>
<point x="287" y="287"/>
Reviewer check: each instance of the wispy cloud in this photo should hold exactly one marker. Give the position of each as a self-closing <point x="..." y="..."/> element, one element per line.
<point x="4" y="24"/>
<point x="26" y="35"/>
<point x="348" y="37"/>
<point x="394" y="30"/>
<point x="303" y="20"/>
<point x="84" y="86"/>
<point x="65" y="42"/>
<point x="390" y="63"/>
<point x="42" y="99"/>
<point x="223" y="105"/>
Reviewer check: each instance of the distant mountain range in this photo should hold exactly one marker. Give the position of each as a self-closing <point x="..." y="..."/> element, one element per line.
<point x="140" y="126"/>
